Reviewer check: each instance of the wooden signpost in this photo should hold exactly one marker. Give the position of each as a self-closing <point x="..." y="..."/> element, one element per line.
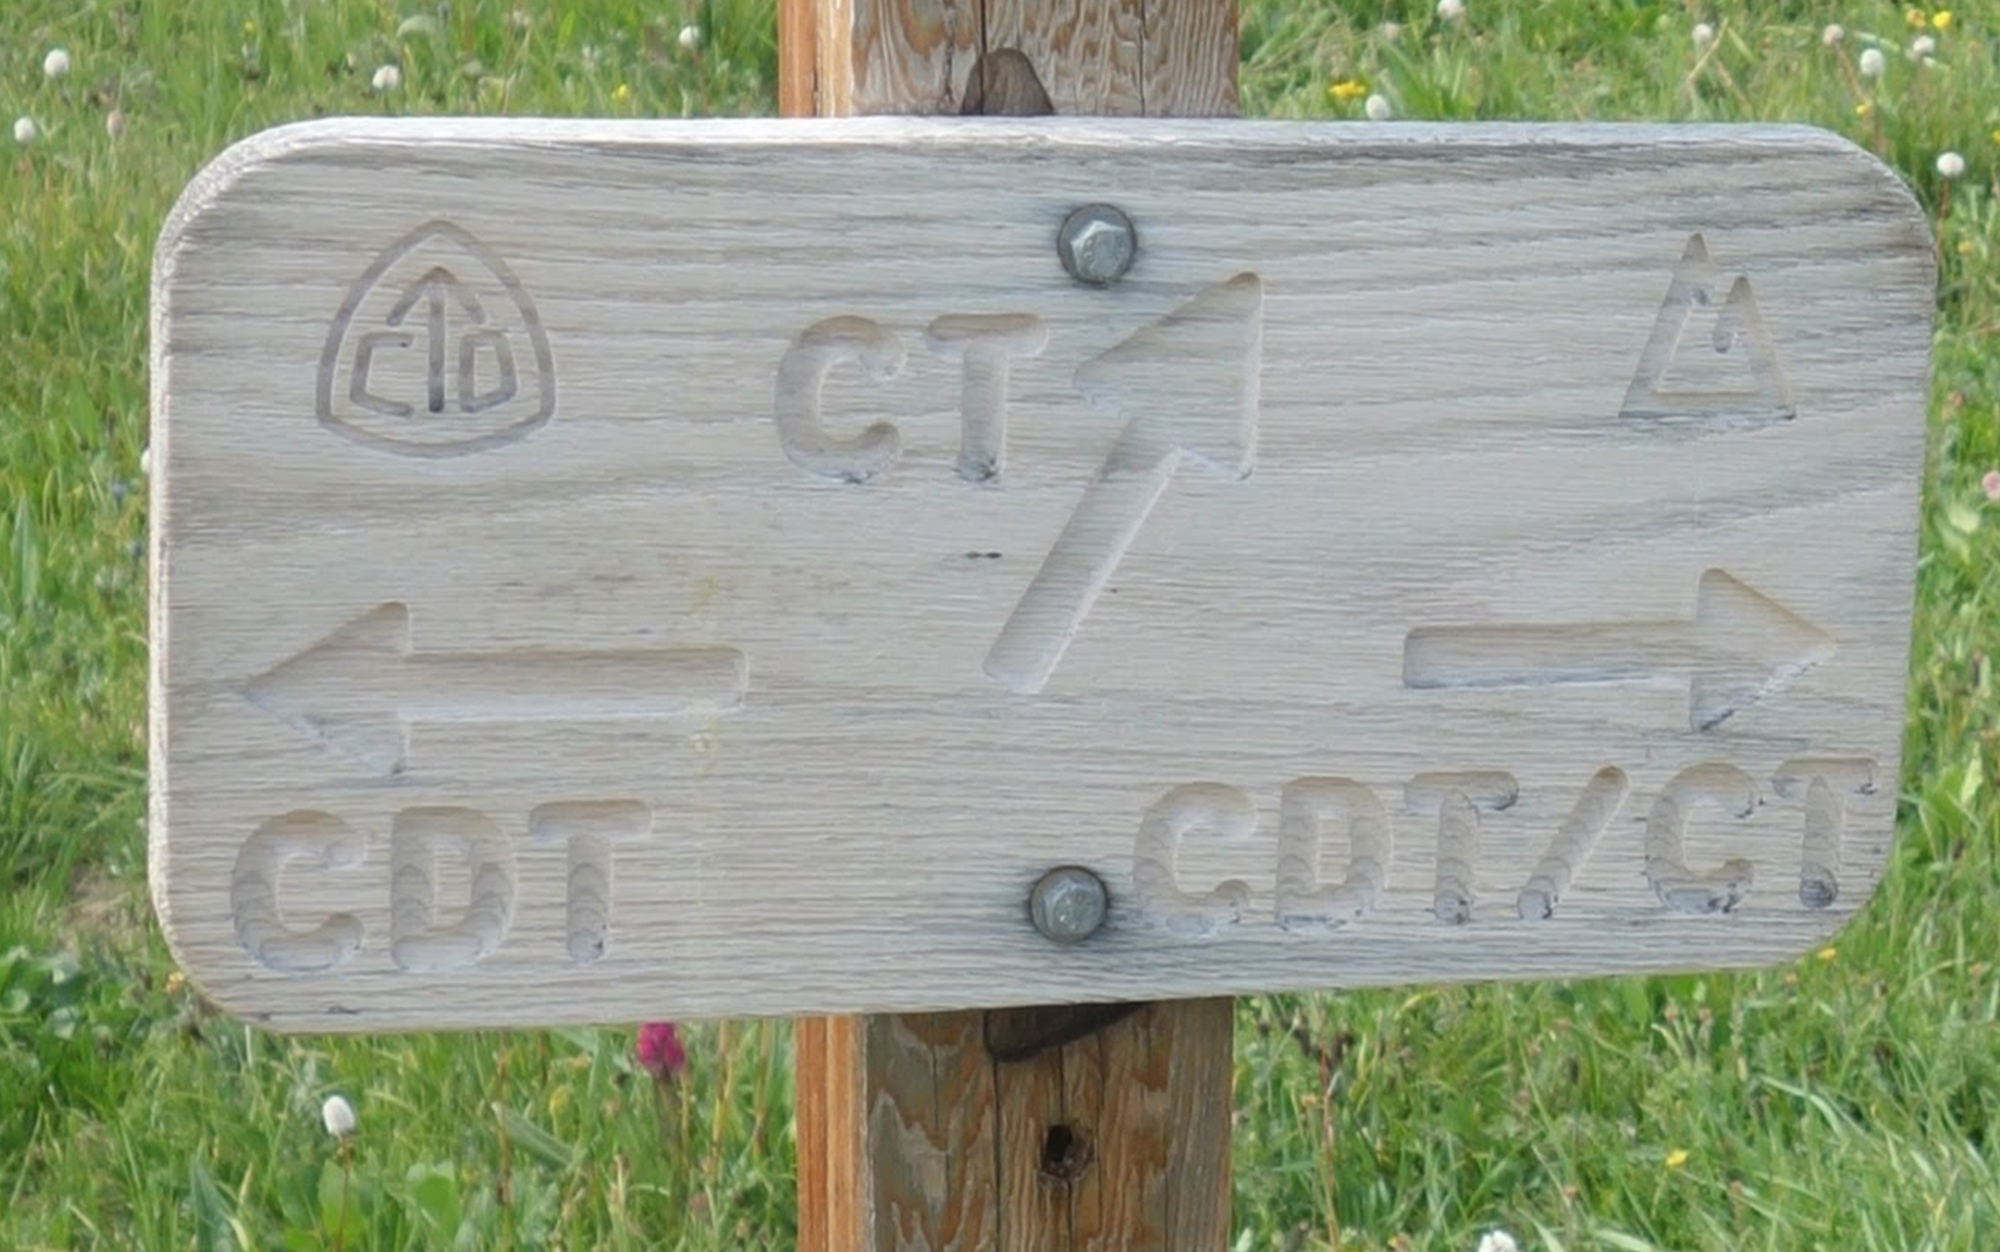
<point x="921" y="567"/>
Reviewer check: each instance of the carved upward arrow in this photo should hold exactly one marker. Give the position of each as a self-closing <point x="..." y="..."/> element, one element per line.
<point x="1188" y="382"/>
<point x="436" y="286"/>
<point x="359" y="689"/>
<point x="1740" y="647"/>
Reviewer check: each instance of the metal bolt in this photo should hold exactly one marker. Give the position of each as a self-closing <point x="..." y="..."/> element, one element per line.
<point x="1068" y="904"/>
<point x="1097" y="244"/>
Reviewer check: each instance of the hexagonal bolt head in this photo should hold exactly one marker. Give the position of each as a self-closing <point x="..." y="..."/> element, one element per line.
<point x="1068" y="904"/>
<point x="1097" y="244"/>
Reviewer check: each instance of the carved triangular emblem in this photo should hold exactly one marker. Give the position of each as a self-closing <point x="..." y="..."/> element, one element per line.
<point x="436" y="351"/>
<point x="1710" y="355"/>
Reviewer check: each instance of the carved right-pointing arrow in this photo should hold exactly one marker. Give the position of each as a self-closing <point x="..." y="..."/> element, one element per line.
<point x="1188" y="382"/>
<point x="1740" y="647"/>
<point x="359" y="689"/>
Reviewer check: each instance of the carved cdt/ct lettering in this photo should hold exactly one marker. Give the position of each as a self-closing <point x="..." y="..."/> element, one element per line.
<point x="1823" y="785"/>
<point x="1208" y="809"/>
<point x="1305" y="809"/>
<point x="1316" y="812"/>
<point x="1457" y="799"/>
<point x="1572" y="844"/>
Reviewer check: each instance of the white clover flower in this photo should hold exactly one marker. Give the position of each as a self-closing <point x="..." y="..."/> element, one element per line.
<point x="1497" y="1240"/>
<point x="1832" y="35"/>
<point x="338" y="1115"/>
<point x="1921" y="47"/>
<point x="25" y="130"/>
<point x="1377" y="108"/>
<point x="1950" y="165"/>
<point x="388" y="78"/>
<point x="1872" y="64"/>
<point x="690" y="38"/>
<point x="1451" y="10"/>
<point x="1392" y="31"/>
<point x="1704" y="34"/>
<point x="56" y="63"/>
<point x="114" y="123"/>
<point x="146" y="459"/>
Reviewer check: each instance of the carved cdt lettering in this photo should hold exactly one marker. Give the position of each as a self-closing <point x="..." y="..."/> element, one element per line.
<point x="253" y="893"/>
<point x="588" y="831"/>
<point x="421" y="837"/>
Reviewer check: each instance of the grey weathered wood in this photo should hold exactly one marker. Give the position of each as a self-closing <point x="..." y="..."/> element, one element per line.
<point x="1389" y="560"/>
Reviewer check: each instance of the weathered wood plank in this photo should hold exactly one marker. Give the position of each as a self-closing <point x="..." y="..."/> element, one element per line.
<point x="1377" y="598"/>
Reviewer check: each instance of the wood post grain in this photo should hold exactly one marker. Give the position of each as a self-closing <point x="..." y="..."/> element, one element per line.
<point x="912" y="1136"/>
<point x="1123" y="58"/>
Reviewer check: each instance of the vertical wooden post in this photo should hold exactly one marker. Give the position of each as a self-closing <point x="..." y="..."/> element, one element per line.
<point x="934" y="1131"/>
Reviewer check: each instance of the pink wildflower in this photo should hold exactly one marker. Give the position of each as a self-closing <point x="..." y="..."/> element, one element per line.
<point x="1992" y="484"/>
<point x="660" y="1050"/>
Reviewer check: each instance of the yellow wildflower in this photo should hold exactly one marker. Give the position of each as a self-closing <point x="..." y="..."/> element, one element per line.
<point x="1941" y="20"/>
<point x="1677" y="1158"/>
<point x="1996" y="136"/>
<point x="1965" y="247"/>
<point x="621" y="94"/>
<point x="1348" y="89"/>
<point x="175" y="981"/>
<point x="1915" y="18"/>
<point x="1864" y="108"/>
<point x="1827" y="954"/>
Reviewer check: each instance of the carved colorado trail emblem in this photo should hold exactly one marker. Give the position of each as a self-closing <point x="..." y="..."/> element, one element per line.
<point x="436" y="351"/>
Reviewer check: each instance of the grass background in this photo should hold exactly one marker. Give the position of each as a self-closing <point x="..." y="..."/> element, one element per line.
<point x="1844" y="1103"/>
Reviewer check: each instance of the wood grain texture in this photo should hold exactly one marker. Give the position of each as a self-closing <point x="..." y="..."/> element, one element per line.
<point x="657" y="680"/>
<point x="1091" y="57"/>
<point x="1118" y="1142"/>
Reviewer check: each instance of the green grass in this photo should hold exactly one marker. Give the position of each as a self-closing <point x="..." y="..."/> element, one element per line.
<point x="1844" y="1103"/>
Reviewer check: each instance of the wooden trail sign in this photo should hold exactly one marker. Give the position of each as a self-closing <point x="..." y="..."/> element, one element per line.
<point x="612" y="570"/>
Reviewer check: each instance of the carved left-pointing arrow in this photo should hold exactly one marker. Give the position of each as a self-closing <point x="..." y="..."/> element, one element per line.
<point x="361" y="688"/>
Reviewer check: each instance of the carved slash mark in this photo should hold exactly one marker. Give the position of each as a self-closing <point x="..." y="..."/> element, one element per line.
<point x="1189" y="385"/>
<point x="1306" y="808"/>
<point x="1220" y="811"/>
<point x="1457" y="799"/>
<point x="253" y="893"/>
<point x="1823" y="785"/>
<point x="1572" y="844"/>
<point x="1680" y="888"/>
<point x="1738" y="331"/>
